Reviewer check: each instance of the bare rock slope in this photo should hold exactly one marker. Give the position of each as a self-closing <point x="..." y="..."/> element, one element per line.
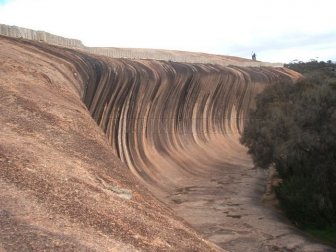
<point x="67" y="184"/>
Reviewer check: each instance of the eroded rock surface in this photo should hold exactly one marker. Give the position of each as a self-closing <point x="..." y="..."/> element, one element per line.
<point x="61" y="187"/>
<point x="174" y="126"/>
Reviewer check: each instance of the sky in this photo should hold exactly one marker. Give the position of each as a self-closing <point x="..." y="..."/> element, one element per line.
<point x="277" y="31"/>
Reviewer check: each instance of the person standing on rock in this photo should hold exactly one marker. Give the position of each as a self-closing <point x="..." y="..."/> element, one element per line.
<point x="254" y="57"/>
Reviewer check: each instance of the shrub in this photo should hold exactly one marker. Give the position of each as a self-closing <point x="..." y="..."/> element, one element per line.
<point x="293" y="128"/>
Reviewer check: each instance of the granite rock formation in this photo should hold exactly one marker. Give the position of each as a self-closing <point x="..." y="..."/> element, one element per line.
<point x="165" y="128"/>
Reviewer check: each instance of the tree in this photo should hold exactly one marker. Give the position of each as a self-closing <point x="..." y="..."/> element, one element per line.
<point x="293" y="128"/>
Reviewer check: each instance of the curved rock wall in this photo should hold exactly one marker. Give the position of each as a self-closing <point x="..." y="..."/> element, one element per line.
<point x="161" y="116"/>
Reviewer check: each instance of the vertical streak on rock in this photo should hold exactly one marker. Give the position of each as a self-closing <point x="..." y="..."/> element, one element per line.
<point x="161" y="116"/>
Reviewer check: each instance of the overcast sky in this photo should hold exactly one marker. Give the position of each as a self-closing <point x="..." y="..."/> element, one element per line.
<point x="278" y="31"/>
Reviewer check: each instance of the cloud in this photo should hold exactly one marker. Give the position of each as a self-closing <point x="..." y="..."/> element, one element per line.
<point x="214" y="26"/>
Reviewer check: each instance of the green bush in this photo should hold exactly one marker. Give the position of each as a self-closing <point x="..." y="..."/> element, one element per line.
<point x="293" y="128"/>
